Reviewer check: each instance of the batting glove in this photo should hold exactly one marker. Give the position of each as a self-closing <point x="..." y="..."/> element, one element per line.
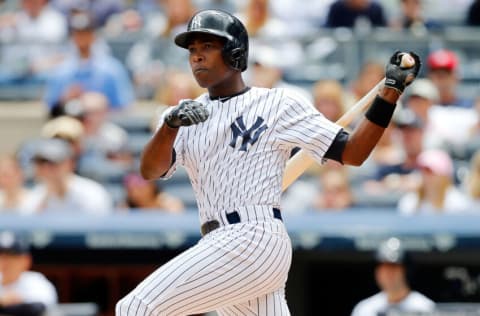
<point x="398" y="77"/>
<point x="188" y="112"/>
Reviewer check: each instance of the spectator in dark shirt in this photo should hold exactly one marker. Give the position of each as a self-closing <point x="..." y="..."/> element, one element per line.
<point x="346" y="13"/>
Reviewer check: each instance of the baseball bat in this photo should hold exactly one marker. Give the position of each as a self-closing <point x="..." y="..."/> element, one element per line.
<point x="297" y="165"/>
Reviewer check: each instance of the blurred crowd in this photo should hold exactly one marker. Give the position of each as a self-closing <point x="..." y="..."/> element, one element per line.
<point x="94" y="60"/>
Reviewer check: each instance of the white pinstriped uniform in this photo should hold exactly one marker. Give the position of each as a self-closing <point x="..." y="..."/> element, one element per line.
<point x="238" y="269"/>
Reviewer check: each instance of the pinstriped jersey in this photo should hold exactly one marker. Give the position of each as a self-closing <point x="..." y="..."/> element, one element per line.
<point x="236" y="158"/>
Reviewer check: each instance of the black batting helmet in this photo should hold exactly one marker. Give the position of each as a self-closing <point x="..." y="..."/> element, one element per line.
<point x="225" y="26"/>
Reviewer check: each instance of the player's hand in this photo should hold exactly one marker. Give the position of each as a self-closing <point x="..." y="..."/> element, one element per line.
<point x="398" y="77"/>
<point x="188" y="112"/>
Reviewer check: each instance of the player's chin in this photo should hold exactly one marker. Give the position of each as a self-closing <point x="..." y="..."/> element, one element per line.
<point x="202" y="81"/>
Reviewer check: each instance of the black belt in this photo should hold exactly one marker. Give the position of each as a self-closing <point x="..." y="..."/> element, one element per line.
<point x="232" y="218"/>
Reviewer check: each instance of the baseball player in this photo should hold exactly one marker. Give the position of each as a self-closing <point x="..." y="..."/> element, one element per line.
<point x="234" y="142"/>
<point x="391" y="277"/>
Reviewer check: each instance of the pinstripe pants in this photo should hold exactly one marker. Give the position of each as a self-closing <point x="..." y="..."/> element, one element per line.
<point x="238" y="269"/>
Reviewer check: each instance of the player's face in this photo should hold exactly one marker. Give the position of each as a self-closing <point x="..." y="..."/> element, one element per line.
<point x="390" y="276"/>
<point x="13" y="265"/>
<point x="206" y="60"/>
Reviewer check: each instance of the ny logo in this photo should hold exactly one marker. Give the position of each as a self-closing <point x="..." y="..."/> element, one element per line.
<point x="248" y="136"/>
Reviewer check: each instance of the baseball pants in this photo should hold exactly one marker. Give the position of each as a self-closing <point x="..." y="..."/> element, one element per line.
<point x="238" y="269"/>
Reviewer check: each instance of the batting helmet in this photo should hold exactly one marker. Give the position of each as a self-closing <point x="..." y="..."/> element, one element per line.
<point x="225" y="26"/>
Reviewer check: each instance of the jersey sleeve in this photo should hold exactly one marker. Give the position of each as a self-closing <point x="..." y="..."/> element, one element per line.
<point x="301" y="125"/>
<point x="177" y="155"/>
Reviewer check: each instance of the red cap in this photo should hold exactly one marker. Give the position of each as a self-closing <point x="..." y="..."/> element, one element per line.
<point x="443" y="59"/>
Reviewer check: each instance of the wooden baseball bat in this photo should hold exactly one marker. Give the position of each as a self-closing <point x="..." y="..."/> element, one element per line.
<point x="297" y="165"/>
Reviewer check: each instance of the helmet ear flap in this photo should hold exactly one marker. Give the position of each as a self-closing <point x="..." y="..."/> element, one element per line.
<point x="236" y="56"/>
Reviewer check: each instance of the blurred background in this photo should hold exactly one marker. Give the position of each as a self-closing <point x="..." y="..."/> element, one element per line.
<point x="84" y="82"/>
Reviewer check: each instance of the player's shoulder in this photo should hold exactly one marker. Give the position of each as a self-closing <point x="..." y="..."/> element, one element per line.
<point x="295" y="96"/>
<point x="369" y="305"/>
<point x="418" y="299"/>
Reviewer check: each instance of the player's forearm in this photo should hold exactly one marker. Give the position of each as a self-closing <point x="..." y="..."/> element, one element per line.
<point x="157" y="156"/>
<point x="367" y="134"/>
<point x="361" y="142"/>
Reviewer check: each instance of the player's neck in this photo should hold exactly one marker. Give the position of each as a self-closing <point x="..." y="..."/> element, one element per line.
<point x="395" y="297"/>
<point x="227" y="88"/>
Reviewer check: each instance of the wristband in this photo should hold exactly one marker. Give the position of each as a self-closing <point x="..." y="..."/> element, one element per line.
<point x="380" y="112"/>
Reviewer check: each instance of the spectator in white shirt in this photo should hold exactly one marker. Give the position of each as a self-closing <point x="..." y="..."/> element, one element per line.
<point x="34" y="35"/>
<point x="22" y="292"/>
<point x="436" y="193"/>
<point x="59" y="188"/>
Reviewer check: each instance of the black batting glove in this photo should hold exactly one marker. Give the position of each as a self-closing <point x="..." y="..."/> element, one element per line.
<point x="398" y="77"/>
<point x="188" y="112"/>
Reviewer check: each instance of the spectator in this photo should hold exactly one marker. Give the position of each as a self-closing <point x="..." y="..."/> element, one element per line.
<point x="412" y="18"/>
<point x="472" y="182"/>
<point x="395" y="293"/>
<point x="36" y="22"/>
<point x="100" y="147"/>
<point x="173" y="18"/>
<point x="370" y="74"/>
<point x="270" y="62"/>
<point x="443" y="71"/>
<point x="32" y="39"/>
<point x="106" y="155"/>
<point x="259" y="22"/>
<point x="350" y="13"/>
<point x="59" y="188"/>
<point x="101" y="135"/>
<point x="445" y="127"/>
<point x="22" y="292"/>
<point x="13" y="194"/>
<point x="436" y="193"/>
<point x="304" y="19"/>
<point x="473" y="15"/>
<point x="423" y="94"/>
<point x="101" y="10"/>
<point x="402" y="176"/>
<point x="68" y="129"/>
<point x="148" y="58"/>
<point x="329" y="99"/>
<point x="336" y="194"/>
<point x="89" y="70"/>
<point x="148" y="195"/>
<point x="177" y="85"/>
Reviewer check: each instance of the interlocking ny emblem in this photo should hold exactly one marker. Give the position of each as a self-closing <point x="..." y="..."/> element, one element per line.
<point x="248" y="136"/>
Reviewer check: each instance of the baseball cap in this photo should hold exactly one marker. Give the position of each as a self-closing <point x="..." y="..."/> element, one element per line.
<point x="442" y="59"/>
<point x="437" y="161"/>
<point x="407" y="118"/>
<point x="13" y="243"/>
<point x="424" y="88"/>
<point x="390" y="251"/>
<point x="81" y="22"/>
<point x="54" y="150"/>
<point x="63" y="127"/>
